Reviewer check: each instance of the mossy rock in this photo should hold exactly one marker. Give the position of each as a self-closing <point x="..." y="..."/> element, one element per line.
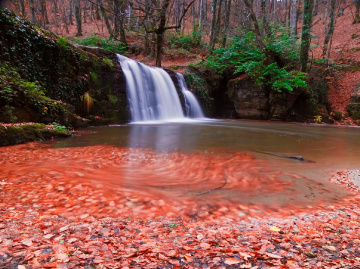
<point x="356" y="116"/>
<point x="12" y="135"/>
<point x="353" y="108"/>
<point x="355" y="98"/>
<point x="56" y="70"/>
<point x="337" y="115"/>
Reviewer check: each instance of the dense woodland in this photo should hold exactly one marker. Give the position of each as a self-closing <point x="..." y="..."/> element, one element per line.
<point x="273" y="42"/>
<point x="206" y="23"/>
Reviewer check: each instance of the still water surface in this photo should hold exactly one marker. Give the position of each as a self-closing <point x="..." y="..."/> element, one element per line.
<point x="326" y="149"/>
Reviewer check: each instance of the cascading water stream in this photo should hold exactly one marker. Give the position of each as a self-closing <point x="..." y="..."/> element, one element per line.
<point x="152" y="94"/>
<point x="193" y="109"/>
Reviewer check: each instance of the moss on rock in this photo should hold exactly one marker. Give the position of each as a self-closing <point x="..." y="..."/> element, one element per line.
<point x="17" y="134"/>
<point x="57" y="72"/>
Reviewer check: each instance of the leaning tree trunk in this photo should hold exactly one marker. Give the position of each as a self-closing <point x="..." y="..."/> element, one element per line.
<point x="105" y="17"/>
<point x="305" y="35"/>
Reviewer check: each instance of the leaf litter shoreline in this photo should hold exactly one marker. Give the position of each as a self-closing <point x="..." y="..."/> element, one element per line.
<point x="51" y="222"/>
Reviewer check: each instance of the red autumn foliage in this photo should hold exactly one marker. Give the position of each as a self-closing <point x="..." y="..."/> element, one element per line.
<point x="82" y="207"/>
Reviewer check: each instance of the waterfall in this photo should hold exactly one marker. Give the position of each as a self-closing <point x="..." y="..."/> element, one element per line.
<point x="193" y="109"/>
<point x="152" y="94"/>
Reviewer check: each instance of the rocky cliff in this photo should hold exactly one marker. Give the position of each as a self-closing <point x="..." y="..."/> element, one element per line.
<point x="44" y="78"/>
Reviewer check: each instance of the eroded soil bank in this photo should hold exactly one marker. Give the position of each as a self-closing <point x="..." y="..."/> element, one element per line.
<point x="57" y="212"/>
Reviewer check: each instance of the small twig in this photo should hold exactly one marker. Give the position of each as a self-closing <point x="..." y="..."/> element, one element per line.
<point x="214" y="189"/>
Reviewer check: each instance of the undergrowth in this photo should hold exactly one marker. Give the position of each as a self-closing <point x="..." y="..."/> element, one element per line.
<point x="273" y="66"/>
<point x="108" y="44"/>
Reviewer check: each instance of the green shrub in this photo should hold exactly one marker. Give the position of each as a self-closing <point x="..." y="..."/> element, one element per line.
<point x="355" y="116"/>
<point x="15" y="90"/>
<point x="108" y="44"/>
<point x="274" y="66"/>
<point x="337" y="115"/>
<point x="186" y="42"/>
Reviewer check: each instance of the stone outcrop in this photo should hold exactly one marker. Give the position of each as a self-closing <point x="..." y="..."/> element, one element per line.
<point x="353" y="108"/>
<point x="65" y="74"/>
<point x="252" y="101"/>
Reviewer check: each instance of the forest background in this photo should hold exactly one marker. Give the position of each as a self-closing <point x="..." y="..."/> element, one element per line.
<point x="276" y="43"/>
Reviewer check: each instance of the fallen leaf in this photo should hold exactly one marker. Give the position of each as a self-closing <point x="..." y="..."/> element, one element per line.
<point x="332" y="248"/>
<point x="205" y="245"/>
<point x="26" y="242"/>
<point x="275" y="256"/>
<point x="274" y="228"/>
<point x="231" y="261"/>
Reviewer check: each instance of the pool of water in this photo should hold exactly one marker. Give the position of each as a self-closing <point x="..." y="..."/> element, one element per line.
<point x="200" y="159"/>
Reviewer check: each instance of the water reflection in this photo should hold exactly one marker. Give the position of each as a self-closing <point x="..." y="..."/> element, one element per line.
<point x="329" y="149"/>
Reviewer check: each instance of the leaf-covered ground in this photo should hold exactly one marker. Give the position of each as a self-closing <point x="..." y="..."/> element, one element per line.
<point x="56" y="213"/>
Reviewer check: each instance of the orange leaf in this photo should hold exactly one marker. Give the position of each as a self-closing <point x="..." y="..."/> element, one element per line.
<point x="274" y="228"/>
<point x="231" y="261"/>
<point x="205" y="245"/>
<point x="274" y="256"/>
<point x="244" y="255"/>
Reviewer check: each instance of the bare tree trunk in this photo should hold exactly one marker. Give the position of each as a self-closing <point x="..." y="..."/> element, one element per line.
<point x="44" y="14"/>
<point x="316" y="7"/>
<point x="293" y="18"/>
<point x="55" y="10"/>
<point x="22" y="8"/>
<point x="357" y="12"/>
<point x="97" y="12"/>
<point x="205" y="13"/>
<point x="305" y="36"/>
<point x="193" y="13"/>
<point x="200" y="13"/>
<point x="105" y="17"/>
<point x="78" y="17"/>
<point x="119" y="17"/>
<point x="258" y="8"/>
<point x="326" y="12"/>
<point x="331" y="27"/>
<point x="176" y="17"/>
<point x="274" y="10"/>
<point x="218" y="23"/>
<point x="285" y="8"/>
<point x="32" y="11"/>
<point x="71" y="12"/>
<point x="160" y="32"/>
<point x="85" y="10"/>
<point x="91" y="11"/>
<point x="258" y="36"/>
<point x="226" y="22"/>
<point x="64" y="16"/>
<point x="147" y="48"/>
<point x="213" y="22"/>
<point x="265" y="18"/>
<point x="129" y="17"/>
